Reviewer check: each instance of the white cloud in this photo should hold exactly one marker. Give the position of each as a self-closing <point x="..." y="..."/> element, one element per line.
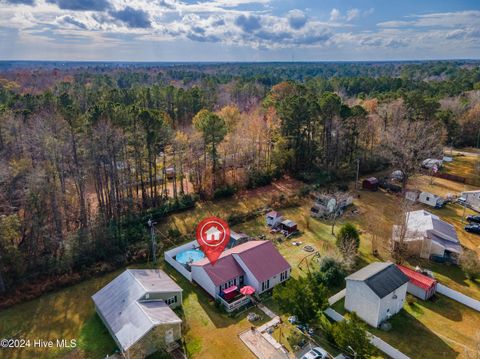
<point x="335" y="15"/>
<point x="352" y="14"/>
<point x="221" y="22"/>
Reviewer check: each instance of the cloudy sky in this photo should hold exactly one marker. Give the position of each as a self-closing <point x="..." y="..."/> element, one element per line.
<point x="239" y="30"/>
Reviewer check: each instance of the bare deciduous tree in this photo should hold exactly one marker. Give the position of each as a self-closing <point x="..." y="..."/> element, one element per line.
<point x="409" y="143"/>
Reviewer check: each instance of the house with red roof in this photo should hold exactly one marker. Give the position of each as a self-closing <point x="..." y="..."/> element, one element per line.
<point x="257" y="264"/>
<point x="419" y="284"/>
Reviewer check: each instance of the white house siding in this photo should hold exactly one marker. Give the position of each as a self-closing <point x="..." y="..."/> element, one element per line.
<point x="473" y="199"/>
<point x="428" y="198"/>
<point x="201" y="277"/>
<point x="249" y="278"/>
<point x="437" y="250"/>
<point x="359" y="298"/>
<point x="156" y="296"/>
<point x="416" y="291"/>
<point x="391" y="304"/>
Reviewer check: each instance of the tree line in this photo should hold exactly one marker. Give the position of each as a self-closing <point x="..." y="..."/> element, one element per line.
<point x="84" y="163"/>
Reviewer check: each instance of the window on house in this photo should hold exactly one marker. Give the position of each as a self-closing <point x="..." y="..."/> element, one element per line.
<point x="171" y="300"/>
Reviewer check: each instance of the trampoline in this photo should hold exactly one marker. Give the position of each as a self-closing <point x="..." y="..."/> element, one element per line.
<point x="190" y="256"/>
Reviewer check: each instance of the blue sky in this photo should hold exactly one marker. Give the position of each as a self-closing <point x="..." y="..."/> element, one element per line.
<point x="238" y="30"/>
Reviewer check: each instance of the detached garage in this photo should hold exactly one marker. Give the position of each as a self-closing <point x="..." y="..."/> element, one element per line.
<point x="419" y="284"/>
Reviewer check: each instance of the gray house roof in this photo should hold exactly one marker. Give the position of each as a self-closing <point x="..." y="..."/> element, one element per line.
<point x="381" y="277"/>
<point x="128" y="318"/>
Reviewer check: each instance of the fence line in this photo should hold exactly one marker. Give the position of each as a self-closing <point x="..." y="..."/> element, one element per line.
<point x="459" y="297"/>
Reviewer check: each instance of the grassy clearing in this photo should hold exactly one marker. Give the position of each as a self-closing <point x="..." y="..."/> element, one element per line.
<point x="65" y="314"/>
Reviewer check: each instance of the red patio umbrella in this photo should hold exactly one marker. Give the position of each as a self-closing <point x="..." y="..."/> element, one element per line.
<point x="247" y="290"/>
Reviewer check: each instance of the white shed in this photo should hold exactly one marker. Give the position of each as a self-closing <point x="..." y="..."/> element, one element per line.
<point x="273" y="219"/>
<point x="431" y="199"/>
<point x="376" y="292"/>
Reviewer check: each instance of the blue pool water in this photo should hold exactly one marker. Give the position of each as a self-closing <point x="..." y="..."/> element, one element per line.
<point x="190" y="256"/>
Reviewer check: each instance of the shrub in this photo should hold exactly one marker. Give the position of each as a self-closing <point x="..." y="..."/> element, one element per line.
<point x="331" y="272"/>
<point x="259" y="178"/>
<point x="224" y="192"/>
<point x="411" y="300"/>
<point x="470" y="263"/>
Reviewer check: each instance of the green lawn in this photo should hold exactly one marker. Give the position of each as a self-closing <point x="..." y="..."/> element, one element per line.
<point x="437" y="328"/>
<point x="65" y="314"/>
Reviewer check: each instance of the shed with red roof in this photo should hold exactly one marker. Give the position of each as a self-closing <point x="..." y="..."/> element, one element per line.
<point x="419" y="285"/>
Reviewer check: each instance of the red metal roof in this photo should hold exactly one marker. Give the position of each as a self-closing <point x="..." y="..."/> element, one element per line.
<point x="418" y="279"/>
<point x="261" y="258"/>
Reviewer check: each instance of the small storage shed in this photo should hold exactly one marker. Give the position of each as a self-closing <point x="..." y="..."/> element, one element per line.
<point x="288" y="226"/>
<point x="431" y="199"/>
<point x="370" y="184"/>
<point x="273" y="218"/>
<point x="419" y="284"/>
<point x="237" y="239"/>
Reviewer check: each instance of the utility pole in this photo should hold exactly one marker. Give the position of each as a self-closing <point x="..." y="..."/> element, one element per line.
<point x="358" y="170"/>
<point x="152" y="224"/>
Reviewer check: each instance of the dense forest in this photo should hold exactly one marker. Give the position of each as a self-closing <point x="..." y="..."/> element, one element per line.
<point x="90" y="152"/>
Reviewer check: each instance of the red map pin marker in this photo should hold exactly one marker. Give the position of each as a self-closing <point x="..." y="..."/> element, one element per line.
<point x="213" y="235"/>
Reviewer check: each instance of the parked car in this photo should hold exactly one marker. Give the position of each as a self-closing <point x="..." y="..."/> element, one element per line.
<point x="473" y="228"/>
<point x="473" y="219"/>
<point x="388" y="186"/>
<point x="462" y="202"/>
<point x="316" y="353"/>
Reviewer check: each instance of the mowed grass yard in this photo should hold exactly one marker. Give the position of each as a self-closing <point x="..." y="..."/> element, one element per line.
<point x="69" y="313"/>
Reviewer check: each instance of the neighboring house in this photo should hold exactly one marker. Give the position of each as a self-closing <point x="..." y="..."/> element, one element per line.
<point x="427" y="236"/>
<point x="325" y="205"/>
<point x="273" y="218"/>
<point x="136" y="307"/>
<point x="255" y="263"/>
<point x="237" y="239"/>
<point x="431" y="199"/>
<point x="376" y="292"/>
<point x="419" y="284"/>
<point x="472" y="199"/>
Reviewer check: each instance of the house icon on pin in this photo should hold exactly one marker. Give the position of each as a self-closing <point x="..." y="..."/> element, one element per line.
<point x="213" y="235"/>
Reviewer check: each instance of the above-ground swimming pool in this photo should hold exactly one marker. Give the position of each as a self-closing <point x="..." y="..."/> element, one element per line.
<point x="190" y="256"/>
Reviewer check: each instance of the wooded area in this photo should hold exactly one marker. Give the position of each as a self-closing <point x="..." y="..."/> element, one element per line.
<point x="88" y="157"/>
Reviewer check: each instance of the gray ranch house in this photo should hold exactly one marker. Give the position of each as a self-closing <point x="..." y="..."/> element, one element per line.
<point x="376" y="292"/>
<point x="136" y="307"/>
<point x="427" y="236"/>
